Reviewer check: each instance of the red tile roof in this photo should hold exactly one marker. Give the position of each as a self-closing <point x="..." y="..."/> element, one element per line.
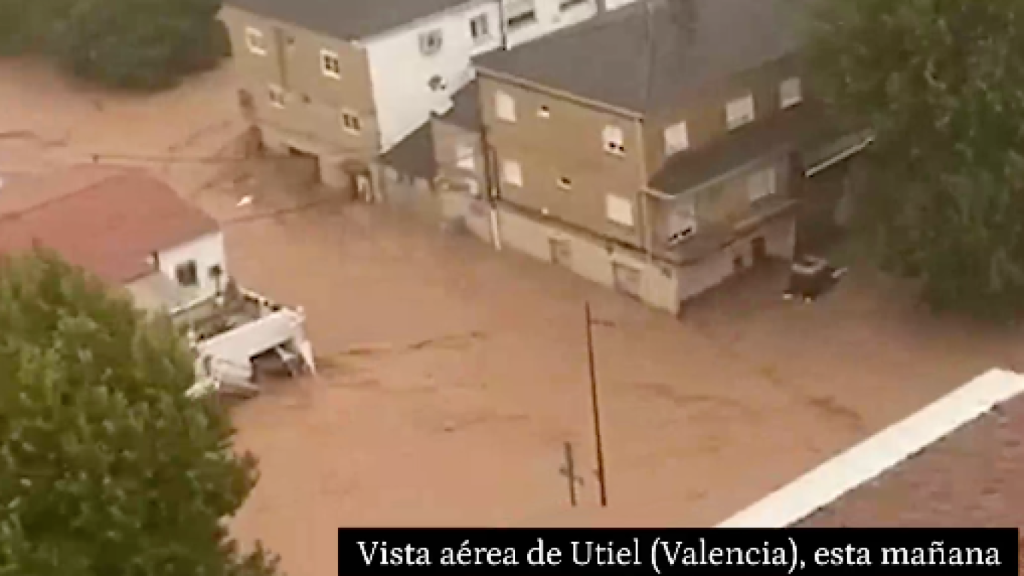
<point x="105" y="220"/>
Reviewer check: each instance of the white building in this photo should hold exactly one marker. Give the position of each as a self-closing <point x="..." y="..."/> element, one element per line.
<point x="136" y="234"/>
<point x="352" y="78"/>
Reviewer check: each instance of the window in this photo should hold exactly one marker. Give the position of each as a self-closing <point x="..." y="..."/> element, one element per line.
<point x="431" y="41"/>
<point x="254" y="40"/>
<point x="619" y="210"/>
<point x="682" y="224"/>
<point x="677" y="138"/>
<point x="330" y="65"/>
<point x="570" y="4"/>
<point x="465" y="157"/>
<point x="350" y="122"/>
<point x="437" y="84"/>
<point x="761" y="184"/>
<point x="512" y="172"/>
<point x="614" y="141"/>
<point x="565" y="183"/>
<point x="519" y="13"/>
<point x="187" y="274"/>
<point x="544" y="112"/>
<point x="480" y="28"/>
<point x="505" y="107"/>
<point x="276" y="95"/>
<point x="215" y="272"/>
<point x="739" y="112"/>
<point x="790" y="93"/>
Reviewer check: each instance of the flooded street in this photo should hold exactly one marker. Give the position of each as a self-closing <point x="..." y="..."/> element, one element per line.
<point x="451" y="376"/>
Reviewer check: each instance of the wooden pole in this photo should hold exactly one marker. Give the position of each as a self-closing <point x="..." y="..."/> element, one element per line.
<point x="569" y="471"/>
<point x="594" y="404"/>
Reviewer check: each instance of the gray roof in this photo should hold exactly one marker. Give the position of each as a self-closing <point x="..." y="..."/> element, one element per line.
<point x="346" y="19"/>
<point x="649" y="55"/>
<point x="465" y="111"/>
<point x="414" y="156"/>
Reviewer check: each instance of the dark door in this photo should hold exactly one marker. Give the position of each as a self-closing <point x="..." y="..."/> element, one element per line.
<point x="759" y="249"/>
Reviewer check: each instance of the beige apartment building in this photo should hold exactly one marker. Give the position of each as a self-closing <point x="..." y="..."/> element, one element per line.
<point x="655" y="149"/>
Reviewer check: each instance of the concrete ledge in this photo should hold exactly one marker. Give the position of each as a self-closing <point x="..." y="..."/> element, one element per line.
<point x="883" y="451"/>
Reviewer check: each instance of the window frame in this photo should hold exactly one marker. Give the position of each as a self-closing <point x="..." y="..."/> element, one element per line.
<point x="483" y="21"/>
<point x="566" y="5"/>
<point x="518" y="171"/>
<point x="671" y="134"/>
<point x="329" y="56"/>
<point x="427" y="47"/>
<point x="771" y="189"/>
<point x="465" y="156"/>
<point x="613" y="140"/>
<point x="732" y="121"/>
<point x="277" y="96"/>
<point x="258" y="47"/>
<point x="501" y="97"/>
<point x="610" y="201"/>
<point x="354" y="128"/>
<point x="191" y="279"/>
<point x="795" y="91"/>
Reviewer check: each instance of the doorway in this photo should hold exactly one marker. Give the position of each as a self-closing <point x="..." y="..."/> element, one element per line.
<point x="759" y="250"/>
<point x="627" y="279"/>
<point x="561" y="252"/>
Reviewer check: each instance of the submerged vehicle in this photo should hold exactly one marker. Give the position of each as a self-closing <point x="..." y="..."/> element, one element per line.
<point x="810" y="277"/>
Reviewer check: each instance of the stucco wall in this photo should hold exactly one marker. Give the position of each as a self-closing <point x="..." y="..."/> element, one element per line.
<point x="780" y="238"/>
<point x="401" y="73"/>
<point x="589" y="258"/>
<point x="311" y="118"/>
<point x="207" y="251"/>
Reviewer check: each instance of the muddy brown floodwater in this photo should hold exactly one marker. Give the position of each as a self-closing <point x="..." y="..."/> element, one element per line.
<point x="452" y="375"/>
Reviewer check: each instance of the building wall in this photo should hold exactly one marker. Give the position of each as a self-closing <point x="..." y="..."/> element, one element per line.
<point x="206" y="251"/>
<point x="720" y="205"/>
<point x="590" y="257"/>
<point x="780" y="239"/>
<point x="311" y="119"/>
<point x="567" y="143"/>
<point x="448" y="138"/>
<point x="704" y="111"/>
<point x="401" y="72"/>
<point x="550" y="18"/>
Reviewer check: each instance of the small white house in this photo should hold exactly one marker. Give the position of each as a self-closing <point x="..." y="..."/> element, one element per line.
<point x="135" y="233"/>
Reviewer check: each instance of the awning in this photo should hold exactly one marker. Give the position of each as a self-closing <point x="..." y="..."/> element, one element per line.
<point x="825" y="156"/>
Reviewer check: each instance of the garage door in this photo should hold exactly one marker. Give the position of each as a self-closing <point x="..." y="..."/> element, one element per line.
<point x="627" y="279"/>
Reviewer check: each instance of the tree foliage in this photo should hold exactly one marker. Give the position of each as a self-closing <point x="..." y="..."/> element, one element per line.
<point x="940" y="83"/>
<point x="106" y="467"/>
<point x="143" y="44"/>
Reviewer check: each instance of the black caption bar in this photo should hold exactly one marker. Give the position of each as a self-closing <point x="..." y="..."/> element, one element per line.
<point x="656" y="552"/>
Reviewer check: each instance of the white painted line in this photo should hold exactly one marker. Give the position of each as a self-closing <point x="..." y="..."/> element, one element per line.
<point x="883" y="451"/>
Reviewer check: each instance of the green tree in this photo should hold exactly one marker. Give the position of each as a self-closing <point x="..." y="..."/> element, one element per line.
<point x="106" y="468"/>
<point x="26" y="26"/>
<point x="144" y="44"/>
<point x="939" y="81"/>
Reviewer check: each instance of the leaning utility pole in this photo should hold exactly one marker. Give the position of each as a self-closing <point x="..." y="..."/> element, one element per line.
<point x="595" y="409"/>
